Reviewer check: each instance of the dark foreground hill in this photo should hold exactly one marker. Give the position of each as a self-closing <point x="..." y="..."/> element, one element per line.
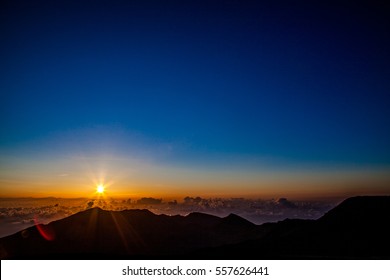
<point x="356" y="229"/>
<point x="97" y="233"/>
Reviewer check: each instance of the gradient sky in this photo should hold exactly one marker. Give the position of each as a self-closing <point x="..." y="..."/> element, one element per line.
<point x="212" y="98"/>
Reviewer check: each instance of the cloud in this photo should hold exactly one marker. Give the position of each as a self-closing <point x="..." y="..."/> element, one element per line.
<point x="18" y="214"/>
<point x="149" y="200"/>
<point x="286" y="203"/>
<point x="90" y="204"/>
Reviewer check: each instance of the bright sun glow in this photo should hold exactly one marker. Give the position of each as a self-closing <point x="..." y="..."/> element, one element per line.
<point x="100" y="189"/>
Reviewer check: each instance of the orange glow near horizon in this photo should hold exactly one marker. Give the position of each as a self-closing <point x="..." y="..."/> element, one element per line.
<point x="177" y="183"/>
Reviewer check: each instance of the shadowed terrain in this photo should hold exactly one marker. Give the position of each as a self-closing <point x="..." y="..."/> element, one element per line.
<point x="358" y="228"/>
<point x="96" y="233"/>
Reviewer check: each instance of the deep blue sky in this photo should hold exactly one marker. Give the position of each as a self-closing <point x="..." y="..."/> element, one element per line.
<point x="303" y="82"/>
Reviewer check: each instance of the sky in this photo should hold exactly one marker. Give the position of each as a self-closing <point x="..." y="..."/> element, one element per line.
<point x="210" y="98"/>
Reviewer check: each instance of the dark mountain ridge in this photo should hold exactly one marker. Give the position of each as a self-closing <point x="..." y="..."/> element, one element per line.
<point x="126" y="233"/>
<point x="358" y="228"/>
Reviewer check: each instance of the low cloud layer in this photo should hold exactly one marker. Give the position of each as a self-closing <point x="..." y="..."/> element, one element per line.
<point x="18" y="214"/>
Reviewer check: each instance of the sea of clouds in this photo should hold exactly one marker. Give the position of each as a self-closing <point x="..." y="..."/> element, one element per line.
<point x="19" y="213"/>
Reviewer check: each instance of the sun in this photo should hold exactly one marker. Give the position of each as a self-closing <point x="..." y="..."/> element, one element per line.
<point x="100" y="189"/>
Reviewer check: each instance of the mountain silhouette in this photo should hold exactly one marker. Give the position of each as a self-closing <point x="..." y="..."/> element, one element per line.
<point x="358" y="228"/>
<point x="97" y="233"/>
